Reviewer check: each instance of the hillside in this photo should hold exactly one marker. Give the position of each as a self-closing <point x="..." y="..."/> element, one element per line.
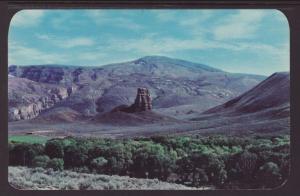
<point x="117" y="118"/>
<point x="271" y="94"/>
<point x="58" y="114"/>
<point x="178" y="88"/>
<point x="265" y="109"/>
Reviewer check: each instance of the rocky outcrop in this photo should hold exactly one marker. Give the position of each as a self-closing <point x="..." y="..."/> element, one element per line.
<point x="139" y="113"/>
<point x="27" y="99"/>
<point x="142" y="101"/>
<point x="31" y="110"/>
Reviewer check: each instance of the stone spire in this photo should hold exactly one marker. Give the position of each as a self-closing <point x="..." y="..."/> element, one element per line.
<point x="142" y="101"/>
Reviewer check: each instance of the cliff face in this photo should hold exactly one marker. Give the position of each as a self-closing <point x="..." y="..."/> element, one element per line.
<point x="32" y="110"/>
<point x="27" y="99"/>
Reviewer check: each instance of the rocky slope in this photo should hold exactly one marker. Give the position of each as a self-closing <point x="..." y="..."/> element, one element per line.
<point x="58" y="115"/>
<point x="27" y="98"/>
<point x="273" y="93"/>
<point x="178" y="88"/>
<point x="265" y="109"/>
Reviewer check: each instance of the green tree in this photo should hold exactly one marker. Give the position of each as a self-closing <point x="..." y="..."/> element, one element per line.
<point x="98" y="164"/>
<point x="201" y="168"/>
<point x="119" y="158"/>
<point x="56" y="164"/>
<point x="75" y="156"/>
<point x="23" y="154"/>
<point x="40" y="161"/>
<point x="54" y="148"/>
<point x="152" y="160"/>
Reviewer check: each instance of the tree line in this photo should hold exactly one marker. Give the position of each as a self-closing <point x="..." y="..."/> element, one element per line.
<point x="219" y="161"/>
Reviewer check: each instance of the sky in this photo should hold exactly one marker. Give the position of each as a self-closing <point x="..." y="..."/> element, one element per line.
<point x="240" y="41"/>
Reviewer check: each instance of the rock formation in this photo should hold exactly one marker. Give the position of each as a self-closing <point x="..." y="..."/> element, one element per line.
<point x="142" y="101"/>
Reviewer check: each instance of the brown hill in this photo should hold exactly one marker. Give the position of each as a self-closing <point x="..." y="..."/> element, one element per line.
<point x="271" y="94"/>
<point x="120" y="117"/>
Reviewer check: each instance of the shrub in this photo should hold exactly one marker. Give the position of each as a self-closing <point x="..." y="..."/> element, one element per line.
<point x="98" y="164"/>
<point x="96" y="152"/>
<point x="83" y="169"/>
<point x="75" y="156"/>
<point x="246" y="163"/>
<point x="23" y="154"/>
<point x="201" y="168"/>
<point x="269" y="175"/>
<point x="40" y="161"/>
<point x="153" y="161"/>
<point x="199" y="177"/>
<point x="119" y="159"/>
<point x="54" y="149"/>
<point x="56" y="164"/>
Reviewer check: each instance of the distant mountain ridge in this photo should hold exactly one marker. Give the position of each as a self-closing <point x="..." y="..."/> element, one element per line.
<point x="177" y="87"/>
<point x="141" y="65"/>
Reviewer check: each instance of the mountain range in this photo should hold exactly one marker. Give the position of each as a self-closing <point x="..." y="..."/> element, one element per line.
<point x="176" y="86"/>
<point x="188" y="96"/>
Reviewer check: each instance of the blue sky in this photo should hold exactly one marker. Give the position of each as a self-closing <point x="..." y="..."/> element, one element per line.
<point x="245" y="41"/>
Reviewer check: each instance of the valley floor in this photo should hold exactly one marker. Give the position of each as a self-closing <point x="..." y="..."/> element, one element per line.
<point x="206" y="125"/>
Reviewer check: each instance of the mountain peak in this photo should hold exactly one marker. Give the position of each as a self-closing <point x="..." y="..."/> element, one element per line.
<point x="156" y="59"/>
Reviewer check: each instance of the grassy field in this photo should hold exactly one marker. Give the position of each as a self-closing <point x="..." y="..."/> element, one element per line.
<point x="32" y="139"/>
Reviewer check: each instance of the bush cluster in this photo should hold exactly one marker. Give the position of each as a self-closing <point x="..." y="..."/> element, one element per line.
<point x="223" y="162"/>
<point x="46" y="179"/>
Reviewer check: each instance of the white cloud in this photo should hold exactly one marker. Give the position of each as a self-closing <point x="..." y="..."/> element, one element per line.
<point x="196" y="18"/>
<point x="168" y="46"/>
<point x="67" y="42"/>
<point x="243" y="24"/>
<point x="162" y="45"/>
<point x="76" y="42"/>
<point x="43" y="36"/>
<point x="92" y="56"/>
<point x="164" y="16"/>
<point x="127" y="24"/>
<point x="27" y="18"/>
<point x="99" y="17"/>
<point x="21" y="54"/>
